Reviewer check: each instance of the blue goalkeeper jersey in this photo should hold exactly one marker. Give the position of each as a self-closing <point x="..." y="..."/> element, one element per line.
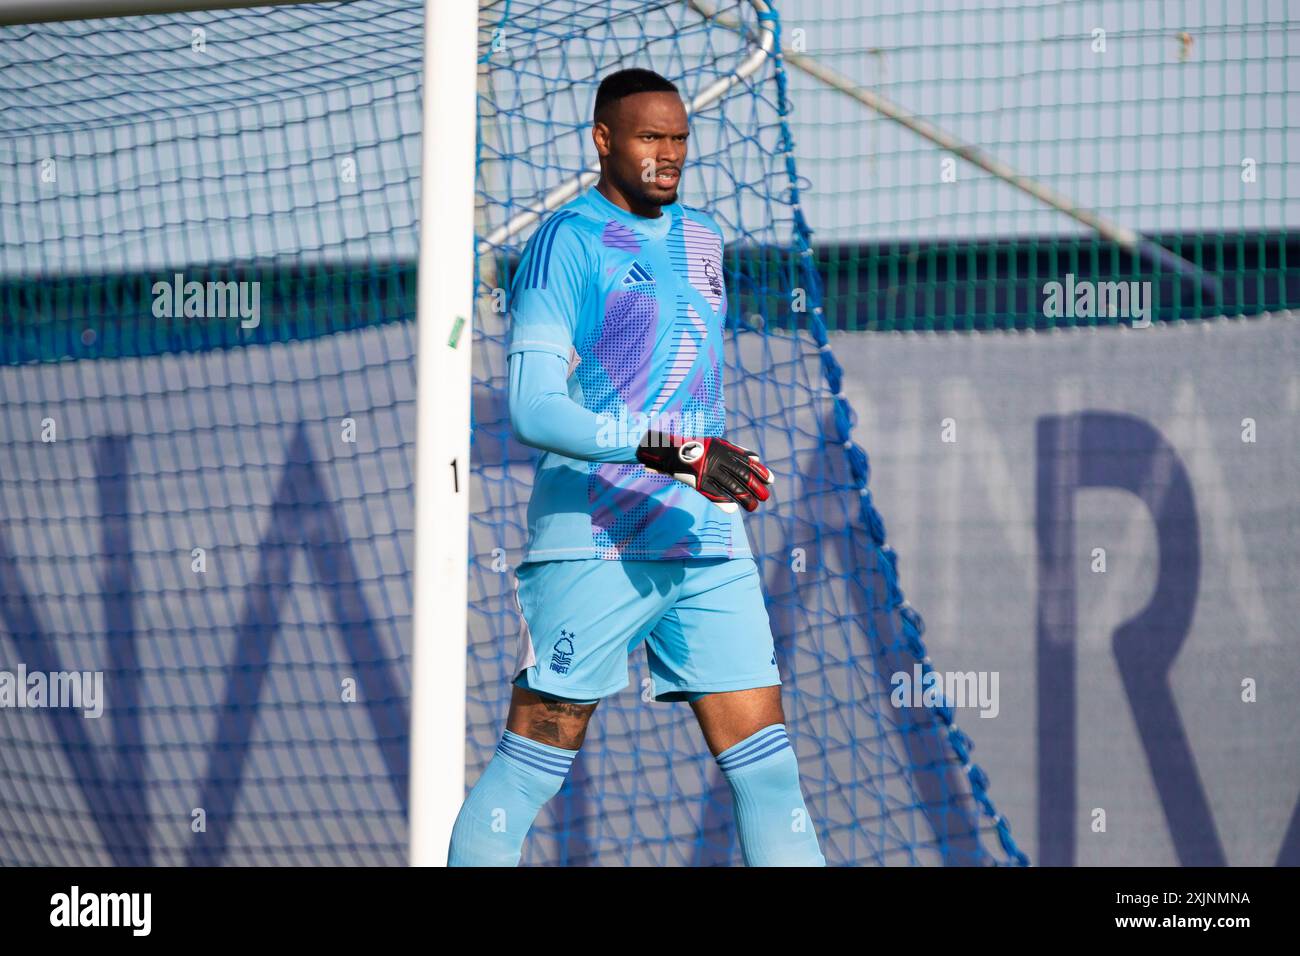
<point x="637" y="307"/>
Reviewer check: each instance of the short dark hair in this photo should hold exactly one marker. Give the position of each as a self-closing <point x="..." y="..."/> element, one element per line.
<point x="626" y="82"/>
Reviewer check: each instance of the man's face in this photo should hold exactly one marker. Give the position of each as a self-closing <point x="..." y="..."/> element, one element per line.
<point x="643" y="141"/>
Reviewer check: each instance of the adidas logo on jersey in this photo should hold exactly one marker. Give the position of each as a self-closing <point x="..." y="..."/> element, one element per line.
<point x="637" y="275"/>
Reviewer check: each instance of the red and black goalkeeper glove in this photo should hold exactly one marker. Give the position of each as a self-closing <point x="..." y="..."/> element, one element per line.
<point x="721" y="471"/>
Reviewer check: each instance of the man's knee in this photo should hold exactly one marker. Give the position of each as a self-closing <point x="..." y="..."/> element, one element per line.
<point x="727" y="717"/>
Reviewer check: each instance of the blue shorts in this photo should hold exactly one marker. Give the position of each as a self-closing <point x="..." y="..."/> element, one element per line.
<point x="703" y="621"/>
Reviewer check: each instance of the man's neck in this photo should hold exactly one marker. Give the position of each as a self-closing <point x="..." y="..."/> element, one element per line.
<point x="611" y="193"/>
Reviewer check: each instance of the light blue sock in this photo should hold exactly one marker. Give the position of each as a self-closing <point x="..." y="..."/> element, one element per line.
<point x="772" y="821"/>
<point x="494" y="819"/>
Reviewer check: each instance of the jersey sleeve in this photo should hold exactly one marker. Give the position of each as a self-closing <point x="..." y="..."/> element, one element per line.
<point x="546" y="297"/>
<point x="544" y="416"/>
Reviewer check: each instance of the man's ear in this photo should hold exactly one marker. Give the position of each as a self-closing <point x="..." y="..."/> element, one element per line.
<point x="600" y="135"/>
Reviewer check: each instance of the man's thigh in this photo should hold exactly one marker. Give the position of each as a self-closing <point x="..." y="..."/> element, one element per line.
<point x="716" y="638"/>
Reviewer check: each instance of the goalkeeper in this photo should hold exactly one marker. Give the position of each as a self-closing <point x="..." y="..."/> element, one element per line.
<point x="635" y="525"/>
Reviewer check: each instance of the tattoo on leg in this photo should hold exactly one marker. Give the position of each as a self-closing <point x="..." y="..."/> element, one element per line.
<point x="548" y="724"/>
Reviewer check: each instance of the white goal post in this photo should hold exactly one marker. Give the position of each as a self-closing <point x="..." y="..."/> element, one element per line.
<point x="440" y="585"/>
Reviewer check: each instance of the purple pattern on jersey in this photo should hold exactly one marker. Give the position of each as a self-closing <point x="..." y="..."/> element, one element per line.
<point x="619" y="236"/>
<point x="690" y="332"/>
<point x="627" y="500"/>
<point x="625" y="345"/>
<point x="622" y="504"/>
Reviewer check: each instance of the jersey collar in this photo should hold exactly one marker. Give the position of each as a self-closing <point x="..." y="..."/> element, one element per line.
<point x="653" y="228"/>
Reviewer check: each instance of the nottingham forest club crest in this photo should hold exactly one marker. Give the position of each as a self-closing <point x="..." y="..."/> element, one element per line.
<point x="712" y="277"/>
<point x="562" y="655"/>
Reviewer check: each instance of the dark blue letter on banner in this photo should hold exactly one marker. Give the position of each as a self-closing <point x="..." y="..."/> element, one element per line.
<point x="1109" y="450"/>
